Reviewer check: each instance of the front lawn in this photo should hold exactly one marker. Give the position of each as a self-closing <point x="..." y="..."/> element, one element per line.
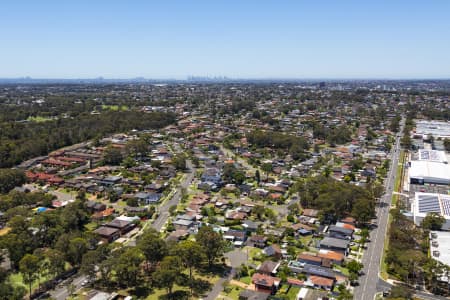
<point x="233" y="294"/>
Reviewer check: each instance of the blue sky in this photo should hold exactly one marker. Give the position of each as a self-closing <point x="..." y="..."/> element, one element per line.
<point x="240" y="39"/>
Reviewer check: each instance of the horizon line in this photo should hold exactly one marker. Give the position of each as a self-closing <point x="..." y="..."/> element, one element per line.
<point x="221" y="78"/>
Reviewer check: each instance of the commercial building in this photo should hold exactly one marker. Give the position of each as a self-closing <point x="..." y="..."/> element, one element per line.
<point x="425" y="203"/>
<point x="440" y="246"/>
<point x="434" y="128"/>
<point x="431" y="167"/>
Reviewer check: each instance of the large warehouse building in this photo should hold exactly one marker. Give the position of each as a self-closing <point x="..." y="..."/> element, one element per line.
<point x="431" y="167"/>
<point x="425" y="203"/>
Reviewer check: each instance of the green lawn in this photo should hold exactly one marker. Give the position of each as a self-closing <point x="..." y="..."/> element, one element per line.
<point x="161" y="292"/>
<point x="252" y="253"/>
<point x="17" y="280"/>
<point x="246" y="280"/>
<point x="234" y="293"/>
<point x="292" y="292"/>
<point x="342" y="269"/>
<point x="115" y="107"/>
<point x="91" y="226"/>
<point x="398" y="178"/>
<point x="38" y="119"/>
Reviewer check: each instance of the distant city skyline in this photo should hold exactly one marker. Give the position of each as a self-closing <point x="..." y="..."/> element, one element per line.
<point x="235" y="39"/>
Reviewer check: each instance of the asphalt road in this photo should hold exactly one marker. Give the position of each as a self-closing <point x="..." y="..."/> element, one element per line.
<point x="62" y="293"/>
<point x="372" y="256"/>
<point x="164" y="209"/>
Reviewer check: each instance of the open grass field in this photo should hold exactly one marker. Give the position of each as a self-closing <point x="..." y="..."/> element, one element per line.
<point x="4" y="230"/>
<point x="38" y="119"/>
<point x="115" y="107"/>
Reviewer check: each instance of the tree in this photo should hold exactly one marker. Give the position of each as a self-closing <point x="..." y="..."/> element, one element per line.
<point x="267" y="167"/>
<point x="191" y="255"/>
<point x="167" y="273"/>
<point x="10" y="178"/>
<point x="212" y="243"/>
<point x="173" y="209"/>
<point x="257" y="177"/>
<point x="344" y="294"/>
<point x="29" y="266"/>
<point x="433" y="221"/>
<point x="447" y="144"/>
<point x="354" y="268"/>
<point x="88" y="264"/>
<point x="56" y="262"/>
<point x="127" y="266"/>
<point x="364" y="235"/>
<point x="363" y="211"/>
<point x="400" y="292"/>
<point x="112" y="156"/>
<point x="179" y="162"/>
<point x="152" y="246"/>
<point x="76" y="248"/>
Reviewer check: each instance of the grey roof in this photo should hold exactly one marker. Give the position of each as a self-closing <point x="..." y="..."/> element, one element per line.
<point x="182" y="222"/>
<point x="185" y="217"/>
<point x="343" y="230"/>
<point x="319" y="271"/>
<point x="106" y="231"/>
<point x="335" y="243"/>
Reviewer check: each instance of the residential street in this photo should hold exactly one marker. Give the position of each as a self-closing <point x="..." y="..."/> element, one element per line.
<point x="62" y="293"/>
<point x="372" y="256"/>
<point x="164" y="209"/>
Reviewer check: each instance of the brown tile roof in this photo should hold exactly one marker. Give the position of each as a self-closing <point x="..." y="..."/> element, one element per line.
<point x="265" y="280"/>
<point x="310" y="212"/>
<point x="321" y="281"/>
<point x="333" y="255"/>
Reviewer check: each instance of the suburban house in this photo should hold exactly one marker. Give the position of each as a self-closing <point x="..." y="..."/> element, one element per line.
<point x="181" y="224"/>
<point x="273" y="250"/>
<point x="107" y="234"/>
<point x="265" y="283"/>
<point x="321" y="282"/>
<point x="268" y="267"/>
<point x="335" y="244"/>
<point x="340" y="232"/>
<point x="259" y="241"/>
<point x="309" y="259"/>
<point x="123" y="226"/>
<point x="147" y="198"/>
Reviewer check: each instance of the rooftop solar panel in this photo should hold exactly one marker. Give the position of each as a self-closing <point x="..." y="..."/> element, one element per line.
<point x="446" y="205"/>
<point x="429" y="203"/>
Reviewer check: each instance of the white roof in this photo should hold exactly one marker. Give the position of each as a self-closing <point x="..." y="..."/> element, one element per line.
<point x="432" y="155"/>
<point x="443" y="246"/>
<point x="430" y="170"/>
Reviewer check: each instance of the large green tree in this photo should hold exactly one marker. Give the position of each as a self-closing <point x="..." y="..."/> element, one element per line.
<point x="212" y="243"/>
<point x="128" y="266"/>
<point x="152" y="246"/>
<point x="10" y="178"/>
<point x="433" y="221"/>
<point x="29" y="267"/>
<point x="191" y="255"/>
<point x="167" y="273"/>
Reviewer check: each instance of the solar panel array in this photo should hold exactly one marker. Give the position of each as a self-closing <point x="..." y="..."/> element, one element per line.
<point x="429" y="203"/>
<point x="429" y="155"/>
<point x="445" y="200"/>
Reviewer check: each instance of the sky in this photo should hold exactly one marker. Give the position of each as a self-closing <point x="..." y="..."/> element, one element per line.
<point x="238" y="39"/>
